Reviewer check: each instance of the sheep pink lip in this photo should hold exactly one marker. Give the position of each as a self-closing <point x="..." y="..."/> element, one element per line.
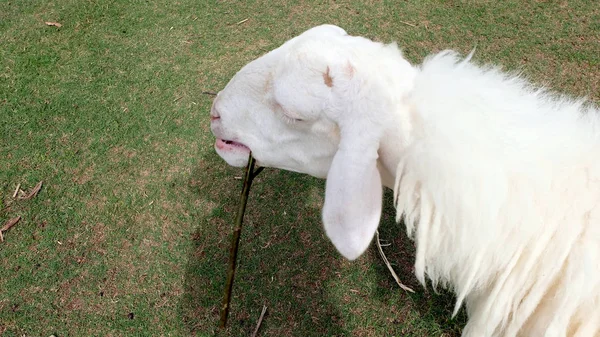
<point x="227" y="145"/>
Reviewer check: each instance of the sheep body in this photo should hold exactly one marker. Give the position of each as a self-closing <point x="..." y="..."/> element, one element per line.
<point x="498" y="182"/>
<point x="500" y="189"/>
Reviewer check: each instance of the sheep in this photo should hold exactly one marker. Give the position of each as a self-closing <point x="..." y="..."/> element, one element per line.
<point x="497" y="181"/>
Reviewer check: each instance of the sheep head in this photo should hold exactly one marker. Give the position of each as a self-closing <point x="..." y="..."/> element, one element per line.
<point x="313" y="106"/>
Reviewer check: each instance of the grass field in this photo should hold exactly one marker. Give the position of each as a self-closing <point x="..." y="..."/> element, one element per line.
<point x="129" y="234"/>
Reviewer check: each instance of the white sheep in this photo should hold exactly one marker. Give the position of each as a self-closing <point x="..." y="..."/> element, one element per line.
<point x="498" y="182"/>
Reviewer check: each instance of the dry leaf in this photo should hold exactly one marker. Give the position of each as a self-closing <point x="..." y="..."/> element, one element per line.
<point x="34" y="192"/>
<point x="10" y="223"/>
<point x="55" y="24"/>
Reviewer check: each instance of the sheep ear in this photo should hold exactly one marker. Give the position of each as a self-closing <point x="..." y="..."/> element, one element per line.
<point x="353" y="196"/>
<point x="307" y="83"/>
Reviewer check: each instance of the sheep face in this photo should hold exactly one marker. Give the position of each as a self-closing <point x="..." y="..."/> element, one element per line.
<point x="276" y="112"/>
<point x="320" y="104"/>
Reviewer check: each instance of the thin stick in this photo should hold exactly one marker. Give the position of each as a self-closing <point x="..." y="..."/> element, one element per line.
<point x="55" y="24"/>
<point x="389" y="266"/>
<point x="235" y="239"/>
<point x="35" y="191"/>
<point x="258" y="170"/>
<point x="407" y="23"/>
<point x="17" y="190"/>
<point x="212" y="93"/>
<point x="262" y="314"/>
<point x="239" y="23"/>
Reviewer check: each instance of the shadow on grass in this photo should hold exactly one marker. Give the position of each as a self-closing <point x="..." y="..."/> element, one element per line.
<point x="282" y="263"/>
<point x="286" y="263"/>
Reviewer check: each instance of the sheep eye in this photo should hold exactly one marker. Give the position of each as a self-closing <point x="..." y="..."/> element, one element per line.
<point x="291" y="120"/>
<point x="286" y="117"/>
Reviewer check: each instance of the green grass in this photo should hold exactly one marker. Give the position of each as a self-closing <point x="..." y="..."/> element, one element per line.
<point x="130" y="232"/>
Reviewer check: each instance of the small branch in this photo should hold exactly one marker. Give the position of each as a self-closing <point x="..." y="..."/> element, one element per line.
<point x="212" y="93"/>
<point x="55" y="24"/>
<point x="235" y="240"/>
<point x="407" y="23"/>
<point x="262" y="314"/>
<point x="257" y="171"/>
<point x="389" y="266"/>
<point x="239" y="23"/>
<point x="17" y="190"/>
<point x="34" y="192"/>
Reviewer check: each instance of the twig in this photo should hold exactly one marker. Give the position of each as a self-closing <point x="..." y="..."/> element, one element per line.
<point x="262" y="314"/>
<point x="258" y="170"/>
<point x="407" y="23"/>
<point x="212" y="93"/>
<point x="389" y="266"/>
<point x="34" y="192"/>
<point x="239" y="23"/>
<point x="177" y="99"/>
<point x="235" y="238"/>
<point x="55" y="24"/>
<point x="17" y="190"/>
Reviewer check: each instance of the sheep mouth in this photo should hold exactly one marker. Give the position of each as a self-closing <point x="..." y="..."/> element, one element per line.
<point x="225" y="144"/>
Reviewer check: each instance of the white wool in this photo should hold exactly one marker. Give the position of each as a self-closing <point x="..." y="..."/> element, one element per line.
<point x="500" y="188"/>
<point x="497" y="181"/>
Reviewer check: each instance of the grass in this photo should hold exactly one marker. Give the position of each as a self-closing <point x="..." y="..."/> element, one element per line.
<point x="130" y="232"/>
